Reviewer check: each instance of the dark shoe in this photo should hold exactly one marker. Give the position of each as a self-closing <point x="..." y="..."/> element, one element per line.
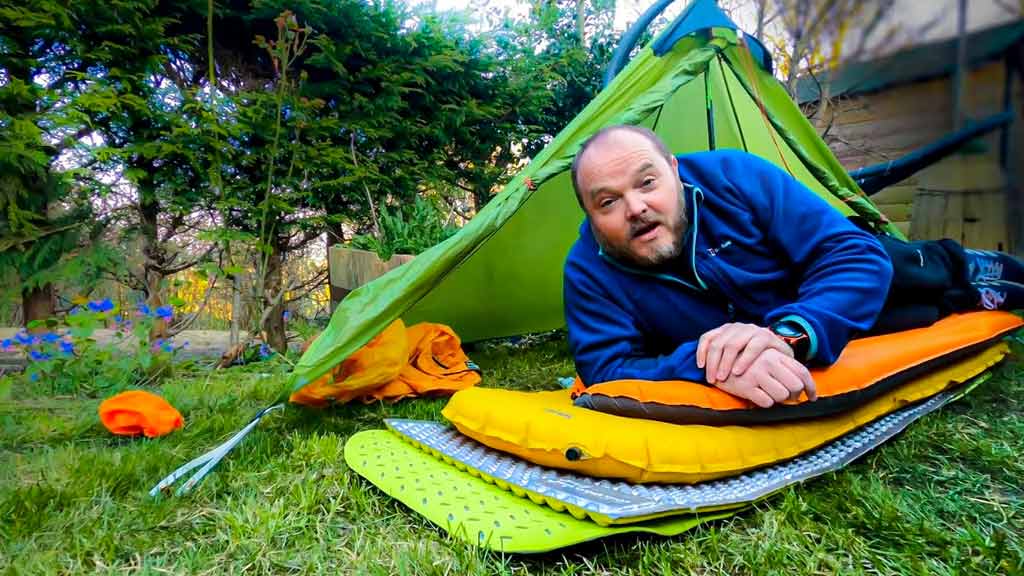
<point x="1000" y="295"/>
<point x="987" y="265"/>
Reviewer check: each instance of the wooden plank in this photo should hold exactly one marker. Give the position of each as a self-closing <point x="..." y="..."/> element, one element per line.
<point x="1015" y="179"/>
<point x="968" y="173"/>
<point x="928" y="206"/>
<point x="879" y="126"/>
<point x="902" y="193"/>
<point x="953" y="217"/>
<point x="984" y="220"/>
<point x="351" y="268"/>
<point x="897" y="212"/>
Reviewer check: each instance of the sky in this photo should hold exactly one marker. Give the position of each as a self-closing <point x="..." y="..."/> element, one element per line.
<point x="909" y="13"/>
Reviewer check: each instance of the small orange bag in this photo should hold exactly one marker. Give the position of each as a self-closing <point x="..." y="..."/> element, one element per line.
<point x="399" y="362"/>
<point x="138" y="412"/>
<point x="437" y="365"/>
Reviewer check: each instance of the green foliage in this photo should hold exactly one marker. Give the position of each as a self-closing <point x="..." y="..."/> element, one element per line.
<point x="74" y="70"/>
<point x="65" y="358"/>
<point x="569" y="62"/>
<point x="408" y="229"/>
<point x="38" y="224"/>
<point x="114" y="134"/>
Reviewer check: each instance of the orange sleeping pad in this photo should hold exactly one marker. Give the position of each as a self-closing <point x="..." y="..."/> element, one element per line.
<point x="867" y="368"/>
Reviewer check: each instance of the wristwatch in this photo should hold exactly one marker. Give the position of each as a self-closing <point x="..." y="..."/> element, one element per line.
<point x="793" y="333"/>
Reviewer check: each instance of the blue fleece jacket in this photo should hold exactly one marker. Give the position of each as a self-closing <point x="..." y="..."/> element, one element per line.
<point x="760" y="247"/>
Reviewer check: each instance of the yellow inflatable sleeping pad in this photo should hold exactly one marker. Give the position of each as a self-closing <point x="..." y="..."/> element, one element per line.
<point x="547" y="429"/>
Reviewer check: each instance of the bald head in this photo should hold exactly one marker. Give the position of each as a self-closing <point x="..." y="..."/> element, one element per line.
<point x="604" y="135"/>
<point x="628" y="184"/>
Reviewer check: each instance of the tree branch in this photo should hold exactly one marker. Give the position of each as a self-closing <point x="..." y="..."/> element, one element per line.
<point x="308" y="286"/>
<point x="190" y="319"/>
<point x="167" y="270"/>
<point x="369" y="198"/>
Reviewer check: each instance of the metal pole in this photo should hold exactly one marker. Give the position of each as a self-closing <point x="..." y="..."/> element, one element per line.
<point x="961" y="66"/>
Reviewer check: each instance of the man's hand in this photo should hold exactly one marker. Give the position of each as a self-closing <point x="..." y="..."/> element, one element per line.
<point x="773" y="377"/>
<point x="733" y="348"/>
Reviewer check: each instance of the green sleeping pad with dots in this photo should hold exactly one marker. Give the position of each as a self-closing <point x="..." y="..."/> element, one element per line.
<point x="475" y="511"/>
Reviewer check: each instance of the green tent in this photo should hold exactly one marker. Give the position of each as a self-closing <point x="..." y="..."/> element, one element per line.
<point x="701" y="84"/>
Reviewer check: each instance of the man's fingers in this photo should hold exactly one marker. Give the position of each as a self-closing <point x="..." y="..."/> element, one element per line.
<point x="702" y="345"/>
<point x="784" y="373"/>
<point x="736" y="341"/>
<point x="713" y="352"/>
<point x="802" y="376"/>
<point x="712" y="355"/>
<point x="773" y="388"/>
<point x="761" y="341"/>
<point x="805" y="376"/>
<point x="760" y="397"/>
<point x="750" y="353"/>
<point x="753" y="350"/>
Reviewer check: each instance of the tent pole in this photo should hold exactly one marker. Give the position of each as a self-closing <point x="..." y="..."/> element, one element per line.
<point x="732" y="103"/>
<point x="710" y="108"/>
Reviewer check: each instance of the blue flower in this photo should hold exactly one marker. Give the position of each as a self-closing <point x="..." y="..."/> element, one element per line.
<point x="104" y="305"/>
<point x="184" y="344"/>
<point x="50" y="337"/>
<point x="7" y="343"/>
<point x="39" y="356"/>
<point x="265" y="351"/>
<point x="67" y="347"/>
<point x="167" y="347"/>
<point x="34" y="377"/>
<point x="165" y="312"/>
<point x="23" y="338"/>
<point x="286" y="314"/>
<point x="144" y="310"/>
<point x="75" y="310"/>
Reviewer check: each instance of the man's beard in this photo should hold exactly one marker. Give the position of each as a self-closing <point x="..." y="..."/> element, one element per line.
<point x="661" y="254"/>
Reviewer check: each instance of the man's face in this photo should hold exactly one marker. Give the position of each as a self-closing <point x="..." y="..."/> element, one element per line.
<point x="633" y="197"/>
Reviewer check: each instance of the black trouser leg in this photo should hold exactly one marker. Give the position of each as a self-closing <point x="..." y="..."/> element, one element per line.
<point x="929" y="281"/>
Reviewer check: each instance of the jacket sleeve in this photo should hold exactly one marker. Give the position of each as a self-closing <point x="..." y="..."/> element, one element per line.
<point x="607" y="343"/>
<point x="844" y="272"/>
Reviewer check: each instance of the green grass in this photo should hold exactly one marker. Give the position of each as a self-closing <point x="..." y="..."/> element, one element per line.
<point x="946" y="497"/>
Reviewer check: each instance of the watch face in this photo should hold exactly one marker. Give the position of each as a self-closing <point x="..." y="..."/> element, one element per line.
<point x="787" y="330"/>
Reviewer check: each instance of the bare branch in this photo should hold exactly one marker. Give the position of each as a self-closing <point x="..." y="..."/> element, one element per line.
<point x="308" y="286"/>
<point x="369" y="198"/>
<point x="167" y="270"/>
<point x="171" y="228"/>
<point x="307" y="237"/>
<point x="190" y="318"/>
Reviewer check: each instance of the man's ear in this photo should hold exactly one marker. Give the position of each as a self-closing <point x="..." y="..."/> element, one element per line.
<point x="673" y="162"/>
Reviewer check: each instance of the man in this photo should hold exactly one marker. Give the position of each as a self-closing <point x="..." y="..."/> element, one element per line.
<point x="719" y="267"/>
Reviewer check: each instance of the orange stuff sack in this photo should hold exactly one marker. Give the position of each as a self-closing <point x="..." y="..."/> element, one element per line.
<point x="867" y="369"/>
<point x="436" y="365"/>
<point x="372" y="366"/>
<point x="399" y="362"/>
<point x="138" y="412"/>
